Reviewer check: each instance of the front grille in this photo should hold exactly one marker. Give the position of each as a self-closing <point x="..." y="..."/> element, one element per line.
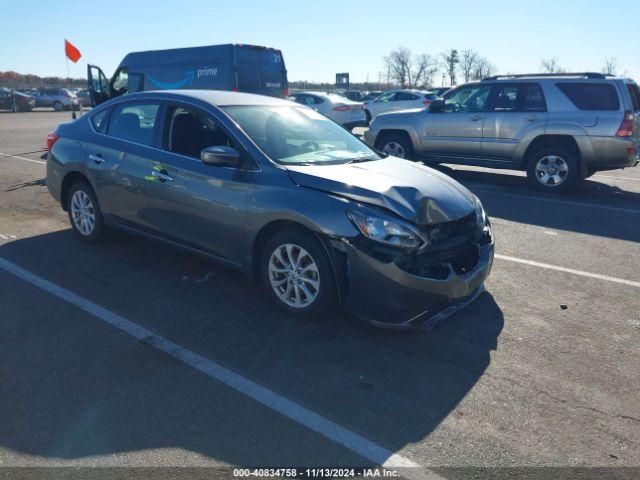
<point x="462" y="256"/>
<point x="445" y="231"/>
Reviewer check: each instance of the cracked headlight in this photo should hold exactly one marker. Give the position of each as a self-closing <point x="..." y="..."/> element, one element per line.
<point x="389" y="232"/>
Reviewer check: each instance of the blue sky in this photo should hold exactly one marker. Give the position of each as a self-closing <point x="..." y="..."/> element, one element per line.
<point x="323" y="37"/>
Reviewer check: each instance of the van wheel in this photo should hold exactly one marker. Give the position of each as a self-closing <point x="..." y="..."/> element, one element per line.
<point x="553" y="169"/>
<point x="396" y="146"/>
<point x="296" y="274"/>
<point x="84" y="212"/>
<point x="57" y="106"/>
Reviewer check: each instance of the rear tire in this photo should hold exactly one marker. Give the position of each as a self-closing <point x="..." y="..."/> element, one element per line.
<point x="84" y="212"/>
<point x="297" y="275"/>
<point x="396" y="146"/>
<point x="57" y="106"/>
<point x="553" y="169"/>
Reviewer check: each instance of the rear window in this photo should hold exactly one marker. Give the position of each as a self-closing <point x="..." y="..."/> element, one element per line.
<point x="634" y="93"/>
<point x="591" y="96"/>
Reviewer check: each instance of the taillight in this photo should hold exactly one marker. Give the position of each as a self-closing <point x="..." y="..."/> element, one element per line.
<point x="286" y="92"/>
<point x="426" y="102"/>
<point x="341" y="108"/>
<point x="52" y="138"/>
<point x="626" y="127"/>
<point x="234" y="89"/>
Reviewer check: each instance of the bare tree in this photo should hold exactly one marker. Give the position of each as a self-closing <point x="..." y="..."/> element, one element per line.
<point x="398" y="64"/>
<point x="424" y="70"/>
<point x="468" y="63"/>
<point x="610" y="66"/>
<point x="482" y="68"/>
<point x="451" y="60"/>
<point x="550" y="65"/>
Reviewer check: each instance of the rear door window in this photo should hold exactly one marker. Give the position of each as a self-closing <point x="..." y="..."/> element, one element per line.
<point x="523" y="97"/>
<point x="591" y="96"/>
<point x="134" y="122"/>
<point x="99" y="121"/>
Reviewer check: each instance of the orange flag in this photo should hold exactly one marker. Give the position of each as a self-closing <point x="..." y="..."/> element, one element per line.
<point x="72" y="52"/>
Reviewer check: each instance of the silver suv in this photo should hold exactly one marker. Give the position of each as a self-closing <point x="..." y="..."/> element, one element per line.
<point x="57" y="98"/>
<point x="558" y="128"/>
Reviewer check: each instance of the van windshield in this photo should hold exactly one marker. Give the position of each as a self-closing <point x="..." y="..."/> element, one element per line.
<point x="299" y="136"/>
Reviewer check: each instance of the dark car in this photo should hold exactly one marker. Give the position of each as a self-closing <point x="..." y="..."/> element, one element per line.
<point x="16" y="101"/>
<point x="355" y="95"/>
<point x="372" y="95"/>
<point x="280" y="192"/>
<point x="84" y="97"/>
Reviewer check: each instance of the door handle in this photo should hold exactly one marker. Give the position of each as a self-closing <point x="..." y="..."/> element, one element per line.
<point x="531" y="118"/>
<point x="163" y="177"/>
<point x="97" y="158"/>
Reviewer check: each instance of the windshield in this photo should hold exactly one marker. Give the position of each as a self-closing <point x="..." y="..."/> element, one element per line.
<point x="299" y="136"/>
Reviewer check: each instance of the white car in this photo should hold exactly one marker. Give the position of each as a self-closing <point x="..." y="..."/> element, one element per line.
<point x="393" y="100"/>
<point x="340" y="109"/>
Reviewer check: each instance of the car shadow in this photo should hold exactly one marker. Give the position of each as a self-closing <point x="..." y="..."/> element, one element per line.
<point x="507" y="196"/>
<point x="73" y="389"/>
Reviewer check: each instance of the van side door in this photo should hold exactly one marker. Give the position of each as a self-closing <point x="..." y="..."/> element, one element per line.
<point x="516" y="110"/>
<point x="197" y="205"/>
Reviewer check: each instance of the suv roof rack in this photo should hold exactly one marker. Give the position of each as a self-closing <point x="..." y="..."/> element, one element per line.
<point x="525" y="75"/>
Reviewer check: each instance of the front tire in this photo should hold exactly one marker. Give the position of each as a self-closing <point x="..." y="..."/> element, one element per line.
<point x="84" y="213"/>
<point x="297" y="275"/>
<point x="396" y="146"/>
<point x="57" y="106"/>
<point x="553" y="169"/>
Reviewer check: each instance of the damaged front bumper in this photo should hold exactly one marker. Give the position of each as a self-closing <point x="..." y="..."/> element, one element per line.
<point x="386" y="295"/>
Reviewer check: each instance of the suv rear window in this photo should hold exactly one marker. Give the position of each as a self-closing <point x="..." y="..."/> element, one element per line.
<point x="591" y="96"/>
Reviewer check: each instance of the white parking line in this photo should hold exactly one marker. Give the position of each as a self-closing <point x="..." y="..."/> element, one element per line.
<point x="617" y="178"/>
<point x="290" y="409"/>
<point x="561" y="202"/>
<point x="23" y="158"/>
<point x="557" y="268"/>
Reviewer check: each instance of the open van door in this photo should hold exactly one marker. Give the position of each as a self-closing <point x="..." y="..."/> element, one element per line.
<point x="99" y="88"/>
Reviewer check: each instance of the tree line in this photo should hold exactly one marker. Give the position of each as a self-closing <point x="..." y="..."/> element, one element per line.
<point x="19" y="80"/>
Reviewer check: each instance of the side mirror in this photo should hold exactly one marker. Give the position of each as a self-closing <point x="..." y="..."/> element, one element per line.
<point x="437" y="106"/>
<point x="220" y="156"/>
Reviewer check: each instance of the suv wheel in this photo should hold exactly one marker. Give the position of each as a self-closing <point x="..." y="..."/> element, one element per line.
<point x="297" y="275"/>
<point x="84" y="212"/>
<point x="57" y="106"/>
<point x="553" y="169"/>
<point x="396" y="146"/>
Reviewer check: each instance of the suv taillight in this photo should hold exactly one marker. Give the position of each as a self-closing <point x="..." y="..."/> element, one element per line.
<point x="626" y="127"/>
<point x="51" y="139"/>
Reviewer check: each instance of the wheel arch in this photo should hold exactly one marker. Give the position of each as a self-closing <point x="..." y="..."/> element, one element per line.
<point x="551" y="140"/>
<point x="69" y="179"/>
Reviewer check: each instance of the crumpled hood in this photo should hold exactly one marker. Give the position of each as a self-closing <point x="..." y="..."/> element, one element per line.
<point x="411" y="190"/>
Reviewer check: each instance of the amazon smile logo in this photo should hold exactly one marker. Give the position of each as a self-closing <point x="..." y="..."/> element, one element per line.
<point x="189" y="75"/>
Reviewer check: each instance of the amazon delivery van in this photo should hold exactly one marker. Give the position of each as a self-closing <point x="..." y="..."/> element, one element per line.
<point x="236" y="67"/>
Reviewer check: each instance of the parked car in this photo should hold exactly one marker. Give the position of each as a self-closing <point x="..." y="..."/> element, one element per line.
<point x="28" y="91"/>
<point x="559" y="128"/>
<point x="280" y="192"/>
<point x="57" y="98"/>
<point x="84" y="97"/>
<point x="234" y="67"/>
<point x="340" y="109"/>
<point x="372" y="95"/>
<point x="354" y="95"/>
<point x="15" y="101"/>
<point x="392" y="100"/>
<point x="439" y="91"/>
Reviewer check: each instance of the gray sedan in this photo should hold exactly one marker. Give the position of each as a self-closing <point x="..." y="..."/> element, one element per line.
<point x="280" y="192"/>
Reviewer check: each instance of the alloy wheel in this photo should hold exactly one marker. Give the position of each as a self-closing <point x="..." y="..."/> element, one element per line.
<point x="294" y="275"/>
<point x="394" y="149"/>
<point x="551" y="170"/>
<point x="83" y="213"/>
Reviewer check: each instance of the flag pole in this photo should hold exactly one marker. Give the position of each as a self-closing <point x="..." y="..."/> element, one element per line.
<point x="73" y="112"/>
